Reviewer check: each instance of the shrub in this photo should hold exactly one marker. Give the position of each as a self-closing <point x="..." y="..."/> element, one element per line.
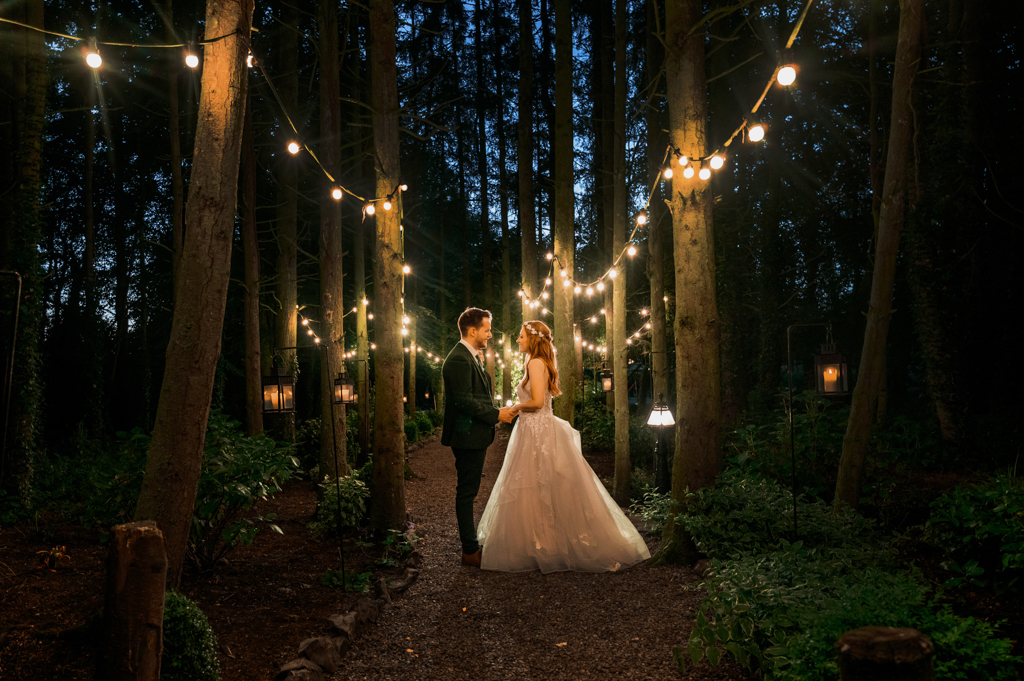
<point x="190" y="649"/>
<point x="436" y="417"/>
<point x="353" y="504"/>
<point x="412" y="432"/>
<point x="237" y="472"/>
<point x="307" y="444"/>
<point x="425" y="425"/>
<point x="983" y="528"/>
<point x="653" y="508"/>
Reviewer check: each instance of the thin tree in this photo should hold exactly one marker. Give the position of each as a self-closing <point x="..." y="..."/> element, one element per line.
<point x="332" y="302"/>
<point x="617" y="335"/>
<point x="387" y="506"/>
<point x="176" y="451"/>
<point x="527" y="218"/>
<point x="251" y="248"/>
<point x="890" y="223"/>
<point x="564" y="233"/>
<point x="698" y="452"/>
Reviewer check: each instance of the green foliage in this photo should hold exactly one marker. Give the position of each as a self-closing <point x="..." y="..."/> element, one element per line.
<point x="412" y="432"/>
<point x="746" y="512"/>
<point x="109" y="488"/>
<point x="354" y="583"/>
<point x="190" y="649"/>
<point x="777" y="607"/>
<point x="596" y="425"/>
<point x="982" y="526"/>
<point x="780" y="613"/>
<point x="307" y="444"/>
<point x="424" y="423"/>
<point x="237" y="472"/>
<point x="393" y="547"/>
<point x="354" y="494"/>
<point x="653" y="508"/>
<point x="436" y="417"/>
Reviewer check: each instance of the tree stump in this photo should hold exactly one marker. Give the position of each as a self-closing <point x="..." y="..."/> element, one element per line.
<point x="884" y="654"/>
<point x="133" y="613"/>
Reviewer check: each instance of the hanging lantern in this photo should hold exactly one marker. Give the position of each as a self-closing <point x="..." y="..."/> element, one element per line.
<point x="278" y="392"/>
<point x="830" y="371"/>
<point x="344" y="389"/>
<point x="606" y="378"/>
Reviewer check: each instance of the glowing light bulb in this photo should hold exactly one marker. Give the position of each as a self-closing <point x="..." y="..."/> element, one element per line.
<point x="369" y="316"/>
<point x="641" y="218"/>
<point x="406" y="269"/>
<point x="370" y="209"/>
<point x="550" y="256"/>
<point x="665" y="299"/>
<point x="547" y="281"/>
<point x="405" y="320"/>
<point x="756" y="133"/>
<point x="682" y="159"/>
<point x="544" y="295"/>
<point x="704" y="173"/>
<point x="365" y="301"/>
<point x="593" y="320"/>
<point x="717" y="162"/>
<point x="644" y="311"/>
<point x="520" y="294"/>
<point x="565" y="282"/>
<point x="316" y="340"/>
<point x="688" y="172"/>
<point x="600" y="286"/>
<point x="354" y="309"/>
<point x="387" y="204"/>
<point x="405" y="331"/>
<point x="293" y="148"/>
<point x="590" y="291"/>
<point x="249" y="60"/>
<point x="603" y="311"/>
<point x="373" y="346"/>
<point x="191" y="61"/>
<point x="786" y="75"/>
<point x="667" y="173"/>
<point x="631" y="250"/>
<point x="613" y="273"/>
<point x="94" y="60"/>
<point x="305" y="322"/>
<point x="404" y="187"/>
<point x="647" y="325"/>
<point x="576" y="290"/>
<point x="629" y="341"/>
<point x="309" y="332"/>
<point x="543" y="310"/>
<point x="336" y="194"/>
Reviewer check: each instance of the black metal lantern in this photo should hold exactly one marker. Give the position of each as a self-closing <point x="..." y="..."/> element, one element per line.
<point x="344" y="389"/>
<point x="278" y="392"/>
<point x="661" y="418"/>
<point x="830" y="371"/>
<point x="606" y="378"/>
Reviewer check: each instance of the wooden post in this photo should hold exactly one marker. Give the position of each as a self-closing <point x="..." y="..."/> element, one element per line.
<point x="872" y="653"/>
<point x="133" y="614"/>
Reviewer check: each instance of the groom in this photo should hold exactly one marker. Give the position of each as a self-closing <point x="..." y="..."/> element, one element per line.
<point x="469" y="419"/>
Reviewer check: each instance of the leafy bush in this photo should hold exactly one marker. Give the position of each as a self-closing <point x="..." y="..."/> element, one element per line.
<point x="596" y="425"/>
<point x="353" y="504"/>
<point x="307" y="444"/>
<point x="190" y="649"/>
<point x="983" y="527"/>
<point x="436" y="417"/>
<point x="779" y="614"/>
<point x="112" y="484"/>
<point x="746" y="512"/>
<point x="237" y="472"/>
<point x="354" y="583"/>
<point x="412" y="432"/>
<point x="653" y="508"/>
<point x="425" y="425"/>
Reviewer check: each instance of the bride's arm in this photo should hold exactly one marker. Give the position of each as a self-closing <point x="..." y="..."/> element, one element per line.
<point x="538" y="384"/>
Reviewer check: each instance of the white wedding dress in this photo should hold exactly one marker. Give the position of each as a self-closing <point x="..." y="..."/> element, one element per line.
<point x="548" y="511"/>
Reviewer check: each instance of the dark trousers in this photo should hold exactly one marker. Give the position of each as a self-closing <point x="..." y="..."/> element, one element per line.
<point x="469" y="463"/>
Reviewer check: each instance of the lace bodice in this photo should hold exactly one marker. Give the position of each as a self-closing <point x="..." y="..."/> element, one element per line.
<point x="523" y="395"/>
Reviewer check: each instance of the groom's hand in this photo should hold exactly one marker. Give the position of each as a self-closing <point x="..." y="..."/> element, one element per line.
<point x="505" y="415"/>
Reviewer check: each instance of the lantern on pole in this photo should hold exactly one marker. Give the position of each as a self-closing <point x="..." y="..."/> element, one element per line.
<point x="344" y="389"/>
<point x="278" y="392"/>
<point x="606" y="378"/>
<point x="830" y="370"/>
<point x="660" y="419"/>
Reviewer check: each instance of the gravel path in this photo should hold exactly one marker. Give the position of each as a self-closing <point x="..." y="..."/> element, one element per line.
<point x="464" y="623"/>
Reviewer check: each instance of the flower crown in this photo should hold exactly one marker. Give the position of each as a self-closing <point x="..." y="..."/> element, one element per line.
<point x="533" y="331"/>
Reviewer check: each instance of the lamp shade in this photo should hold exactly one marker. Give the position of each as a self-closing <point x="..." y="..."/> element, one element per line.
<point x="831" y="375"/>
<point x="278" y="392"/>
<point x="661" y="415"/>
<point x="344" y="390"/>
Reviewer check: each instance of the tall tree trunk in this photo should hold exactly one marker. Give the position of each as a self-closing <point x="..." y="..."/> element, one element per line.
<point x="442" y="300"/>
<point x="890" y="222"/>
<point x="506" y="258"/>
<point x="253" y="378"/>
<point x="620" y="354"/>
<point x="564" y="233"/>
<point x="286" y="324"/>
<point x="91" y="314"/>
<point x="359" y="256"/>
<point x="698" y="452"/>
<point x="410" y="405"/>
<point x="527" y="218"/>
<point x="177" y="185"/>
<point x="332" y="301"/>
<point x="481" y="160"/>
<point x="387" y="506"/>
<point x="657" y="252"/>
<point x="21" y="222"/>
<point x="176" y="451"/>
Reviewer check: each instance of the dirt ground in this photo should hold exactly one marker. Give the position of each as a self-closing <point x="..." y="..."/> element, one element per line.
<point x="455" y="623"/>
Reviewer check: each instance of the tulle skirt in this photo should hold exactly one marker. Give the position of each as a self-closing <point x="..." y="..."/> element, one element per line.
<point x="548" y="511"/>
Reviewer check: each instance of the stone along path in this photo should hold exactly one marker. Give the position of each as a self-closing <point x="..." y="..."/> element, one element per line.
<point x="460" y="622"/>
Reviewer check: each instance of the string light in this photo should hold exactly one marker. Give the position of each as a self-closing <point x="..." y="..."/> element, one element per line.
<point x="293" y="148"/>
<point x="547" y="282"/>
<point x="755" y="133"/>
<point x="336" y="193"/>
<point x="786" y="76"/>
<point x="92" y="55"/>
<point x="550" y="256"/>
<point x="249" y="60"/>
<point x="641" y="218"/>
<point x="667" y="172"/>
<point x="404" y="187"/>
<point x="717" y="162"/>
<point x="688" y="172"/>
<point x="600" y="286"/>
<point x="387" y="203"/>
<point x="370" y="209"/>
<point x="613" y="273"/>
<point x="576" y="290"/>
<point x="590" y="291"/>
<point x="191" y="60"/>
<point x="631" y="250"/>
<point x="406" y="269"/>
<point x="704" y="173"/>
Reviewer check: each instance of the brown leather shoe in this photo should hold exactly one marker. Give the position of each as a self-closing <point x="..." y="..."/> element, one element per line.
<point x="472" y="559"/>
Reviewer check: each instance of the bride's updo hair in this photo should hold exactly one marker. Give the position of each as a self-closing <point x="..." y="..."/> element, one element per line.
<point x="539" y="346"/>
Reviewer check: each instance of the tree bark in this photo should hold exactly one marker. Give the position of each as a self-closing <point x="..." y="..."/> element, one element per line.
<point x="871" y="653"/>
<point x="656" y="214"/>
<point x="620" y="354"/>
<point x="387" y="506"/>
<point x="176" y="451"/>
<point x="564" y="233"/>
<point x="698" y="452"/>
<point x="133" y="612"/>
<point x="359" y="262"/>
<point x="410" y="406"/>
<point x="253" y="377"/>
<point x="481" y="160"/>
<point x="527" y="217"/>
<point x="506" y="258"/>
<point x="332" y="301"/>
<point x="890" y="223"/>
<point x="177" y="184"/>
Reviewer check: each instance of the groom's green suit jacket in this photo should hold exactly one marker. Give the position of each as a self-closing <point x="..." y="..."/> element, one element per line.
<point x="469" y="411"/>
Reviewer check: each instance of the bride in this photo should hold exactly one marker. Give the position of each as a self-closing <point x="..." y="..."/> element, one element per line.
<point x="548" y="510"/>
